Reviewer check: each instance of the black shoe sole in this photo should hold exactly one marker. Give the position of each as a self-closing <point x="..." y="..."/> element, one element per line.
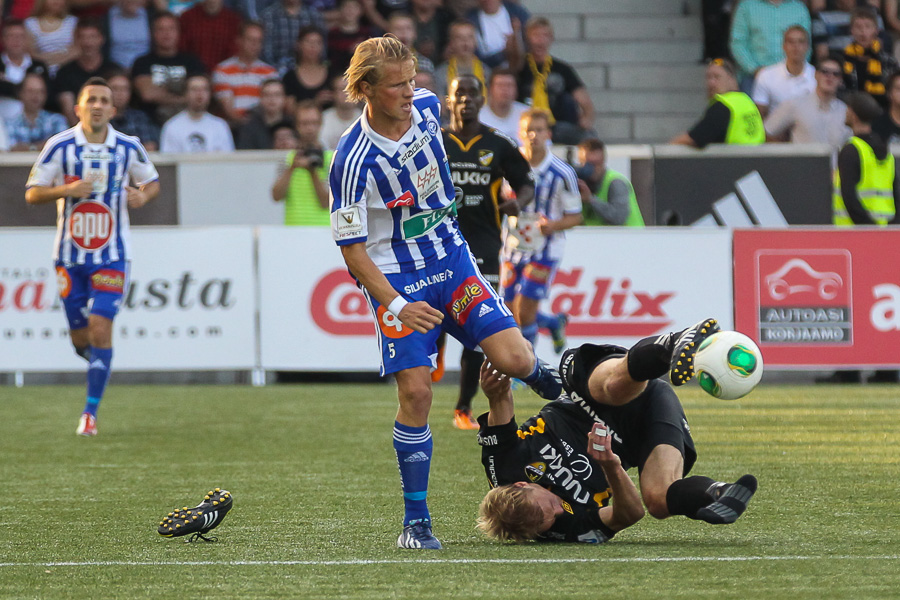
<point x="205" y="516"/>
<point x="682" y="369"/>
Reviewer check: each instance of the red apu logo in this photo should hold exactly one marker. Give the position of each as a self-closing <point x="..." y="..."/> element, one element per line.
<point x="608" y="307"/>
<point x="406" y="199"/>
<point x="338" y="307"/>
<point x="90" y="225"/>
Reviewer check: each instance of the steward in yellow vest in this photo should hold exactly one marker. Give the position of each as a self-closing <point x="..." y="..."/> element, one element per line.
<point x="607" y="196"/>
<point x="865" y="181"/>
<point x="731" y="118"/>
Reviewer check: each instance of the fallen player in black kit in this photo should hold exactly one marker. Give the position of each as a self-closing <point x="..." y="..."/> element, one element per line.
<point x="553" y="477"/>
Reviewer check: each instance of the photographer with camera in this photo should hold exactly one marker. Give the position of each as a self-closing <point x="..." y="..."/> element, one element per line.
<point x="607" y="196"/>
<point x="302" y="183"/>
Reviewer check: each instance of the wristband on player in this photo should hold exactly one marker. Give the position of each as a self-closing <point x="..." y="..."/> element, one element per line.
<point x="397" y="305"/>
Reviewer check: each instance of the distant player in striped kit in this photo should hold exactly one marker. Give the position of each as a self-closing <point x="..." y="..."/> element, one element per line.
<point x="394" y="218"/>
<point x="94" y="174"/>
<point x="528" y="273"/>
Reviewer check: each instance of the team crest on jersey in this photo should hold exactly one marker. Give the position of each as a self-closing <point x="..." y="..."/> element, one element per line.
<point x="432" y="126"/>
<point x="535" y="471"/>
<point x="108" y="280"/>
<point x="485" y="157"/>
<point x="567" y="507"/>
<point x="63" y="282"/>
<point x="466" y="297"/>
<point x="91" y="225"/>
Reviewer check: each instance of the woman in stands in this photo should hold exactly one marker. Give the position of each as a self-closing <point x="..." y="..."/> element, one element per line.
<point x="51" y="33"/>
<point x="309" y="79"/>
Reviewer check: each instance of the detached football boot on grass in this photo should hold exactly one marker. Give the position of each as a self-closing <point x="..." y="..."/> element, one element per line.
<point x="199" y="520"/>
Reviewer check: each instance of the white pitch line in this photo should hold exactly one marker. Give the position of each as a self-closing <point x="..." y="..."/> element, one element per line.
<point x="444" y="561"/>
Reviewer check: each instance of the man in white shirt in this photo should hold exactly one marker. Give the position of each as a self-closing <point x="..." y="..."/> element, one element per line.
<point x="818" y="117"/>
<point x="787" y="79"/>
<point x="194" y="129"/>
<point x="338" y="118"/>
<point x="15" y="63"/>
<point x="502" y="111"/>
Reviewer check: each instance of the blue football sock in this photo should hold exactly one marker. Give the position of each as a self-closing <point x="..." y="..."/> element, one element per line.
<point x="546" y="321"/>
<point x="97" y="377"/>
<point x="530" y="332"/>
<point x="535" y="372"/>
<point x="413" y="446"/>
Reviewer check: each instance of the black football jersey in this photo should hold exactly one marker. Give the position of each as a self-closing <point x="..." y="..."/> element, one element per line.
<point x="478" y="168"/>
<point x="550" y="449"/>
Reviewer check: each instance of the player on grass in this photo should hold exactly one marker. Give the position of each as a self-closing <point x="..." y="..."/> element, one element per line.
<point x="528" y="273"/>
<point x="94" y="174"/>
<point x="480" y="159"/>
<point x="545" y="485"/>
<point x="394" y="219"/>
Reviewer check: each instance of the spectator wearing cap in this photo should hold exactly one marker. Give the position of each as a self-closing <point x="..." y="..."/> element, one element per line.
<point x="757" y="30"/>
<point x="731" y="118"/>
<point x="866" y="63"/>
<point x="788" y="78"/>
<point x="818" y="117"/>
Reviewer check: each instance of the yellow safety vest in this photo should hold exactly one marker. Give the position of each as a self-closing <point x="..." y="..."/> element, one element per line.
<point x="875" y="188"/>
<point x="746" y="125"/>
<point x="634" y="214"/>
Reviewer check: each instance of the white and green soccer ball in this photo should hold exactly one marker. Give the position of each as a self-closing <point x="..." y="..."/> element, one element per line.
<point x="728" y="365"/>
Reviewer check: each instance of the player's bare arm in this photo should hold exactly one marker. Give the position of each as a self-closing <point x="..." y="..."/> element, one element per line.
<point x="498" y="390"/>
<point x="41" y="194"/>
<point x="626" y="508"/>
<point x="418" y="316"/>
<point x="138" y="197"/>
<point x="566" y="222"/>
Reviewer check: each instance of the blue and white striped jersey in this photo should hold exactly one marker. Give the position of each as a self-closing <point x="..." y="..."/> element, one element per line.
<point x="396" y="196"/>
<point x="555" y="194"/>
<point x="93" y="230"/>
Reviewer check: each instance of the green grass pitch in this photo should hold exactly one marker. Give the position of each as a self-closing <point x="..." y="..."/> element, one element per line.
<point x="317" y="504"/>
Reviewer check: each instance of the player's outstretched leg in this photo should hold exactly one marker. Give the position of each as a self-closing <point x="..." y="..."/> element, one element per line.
<point x="731" y="503"/>
<point x="674" y="352"/>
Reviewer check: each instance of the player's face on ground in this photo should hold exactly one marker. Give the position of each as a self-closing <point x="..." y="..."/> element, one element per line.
<point x="198" y="94"/>
<point x="95" y="107"/>
<point x="549" y="503"/>
<point x="464" y="99"/>
<point x="392" y="96"/>
<point x="534" y="132"/>
<point x="795" y="46"/>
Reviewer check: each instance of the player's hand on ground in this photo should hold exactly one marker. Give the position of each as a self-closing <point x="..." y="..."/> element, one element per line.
<point x="79" y="189"/>
<point x="136" y="197"/>
<point x="600" y="445"/>
<point x="420" y="316"/>
<point x="494" y="383"/>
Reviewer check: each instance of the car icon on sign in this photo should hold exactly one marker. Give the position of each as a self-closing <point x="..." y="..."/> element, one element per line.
<point x="797" y="276"/>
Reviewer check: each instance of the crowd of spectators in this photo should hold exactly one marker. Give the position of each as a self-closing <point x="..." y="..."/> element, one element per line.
<point x="189" y="73"/>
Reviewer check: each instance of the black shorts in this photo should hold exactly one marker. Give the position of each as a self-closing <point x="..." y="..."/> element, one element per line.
<point x="490" y="268"/>
<point x="655" y="417"/>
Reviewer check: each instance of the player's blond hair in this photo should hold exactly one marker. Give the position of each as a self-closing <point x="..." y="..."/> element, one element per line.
<point x="368" y="62"/>
<point x="507" y="513"/>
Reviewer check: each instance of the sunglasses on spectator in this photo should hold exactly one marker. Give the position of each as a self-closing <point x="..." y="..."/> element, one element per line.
<point x="832" y="72"/>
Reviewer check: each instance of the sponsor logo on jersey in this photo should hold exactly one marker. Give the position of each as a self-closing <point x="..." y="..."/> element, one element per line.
<point x="63" y="282"/>
<point x="421" y="223"/>
<point x="423" y="282"/>
<point x="428" y="180"/>
<point x="535" y="471"/>
<point x="485" y="157"/>
<point x="91" y="225"/>
<point x="405" y="199"/>
<point x="487" y="440"/>
<point x="347" y="222"/>
<point x="461" y="177"/>
<point x="485" y="309"/>
<point x="108" y="280"/>
<point x="564" y="476"/>
<point x="466" y="297"/>
<point x="417" y="146"/>
<point x="567" y="507"/>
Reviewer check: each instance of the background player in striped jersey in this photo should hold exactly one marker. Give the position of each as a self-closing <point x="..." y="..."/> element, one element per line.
<point x="394" y="218"/>
<point x="528" y="271"/>
<point x="480" y="159"/>
<point x="94" y="174"/>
